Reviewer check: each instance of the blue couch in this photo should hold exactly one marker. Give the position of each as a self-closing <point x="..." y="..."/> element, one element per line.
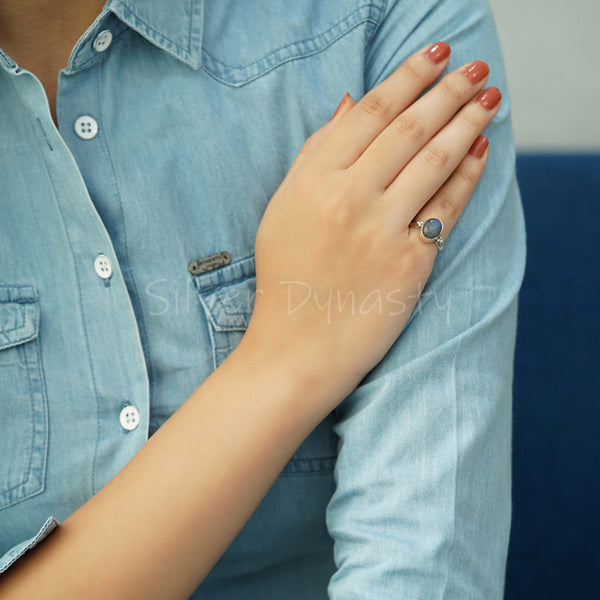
<point x="554" y="548"/>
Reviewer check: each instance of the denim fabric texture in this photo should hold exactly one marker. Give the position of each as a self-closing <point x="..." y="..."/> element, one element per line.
<point x="404" y="491"/>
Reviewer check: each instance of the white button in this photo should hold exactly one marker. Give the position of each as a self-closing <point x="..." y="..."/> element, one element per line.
<point x="86" y="127"/>
<point x="102" y="41"/>
<point x="103" y="266"/>
<point x="129" y="418"/>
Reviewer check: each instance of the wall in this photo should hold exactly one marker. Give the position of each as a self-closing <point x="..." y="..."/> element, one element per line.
<point x="551" y="54"/>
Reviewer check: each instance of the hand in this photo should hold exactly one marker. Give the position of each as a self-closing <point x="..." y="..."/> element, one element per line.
<point x="338" y="269"/>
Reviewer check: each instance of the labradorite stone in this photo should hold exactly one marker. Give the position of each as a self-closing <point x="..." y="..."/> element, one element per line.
<point x="432" y="228"/>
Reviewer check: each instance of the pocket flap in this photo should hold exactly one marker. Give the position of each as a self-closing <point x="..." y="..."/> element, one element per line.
<point x="19" y="315"/>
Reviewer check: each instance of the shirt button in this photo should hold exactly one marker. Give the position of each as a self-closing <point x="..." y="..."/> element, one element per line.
<point x="86" y="127"/>
<point x="129" y="418"/>
<point x="102" y="41"/>
<point x="103" y="266"/>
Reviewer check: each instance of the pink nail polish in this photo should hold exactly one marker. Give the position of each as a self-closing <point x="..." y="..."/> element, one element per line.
<point x="489" y="98"/>
<point x="479" y="146"/>
<point x="476" y="71"/>
<point x="438" y="52"/>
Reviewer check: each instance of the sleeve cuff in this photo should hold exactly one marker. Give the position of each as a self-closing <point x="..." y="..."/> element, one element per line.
<point x="19" y="550"/>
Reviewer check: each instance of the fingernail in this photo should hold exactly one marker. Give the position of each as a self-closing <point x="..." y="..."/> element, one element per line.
<point x="476" y="71"/>
<point x="438" y="52"/>
<point x="489" y="98"/>
<point x="337" y="110"/>
<point x="479" y="145"/>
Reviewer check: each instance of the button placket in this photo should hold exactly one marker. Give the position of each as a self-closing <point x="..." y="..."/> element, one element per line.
<point x="106" y="310"/>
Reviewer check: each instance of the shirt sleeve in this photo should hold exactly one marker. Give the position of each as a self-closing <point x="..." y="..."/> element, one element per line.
<point x="422" y="505"/>
<point x="19" y="550"/>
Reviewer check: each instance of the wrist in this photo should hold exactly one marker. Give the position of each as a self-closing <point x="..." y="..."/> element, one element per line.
<point x="297" y="379"/>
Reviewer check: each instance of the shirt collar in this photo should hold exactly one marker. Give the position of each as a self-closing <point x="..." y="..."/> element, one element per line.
<point x="175" y="26"/>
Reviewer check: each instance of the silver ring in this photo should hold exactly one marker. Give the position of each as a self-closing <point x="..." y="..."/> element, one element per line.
<point x="430" y="231"/>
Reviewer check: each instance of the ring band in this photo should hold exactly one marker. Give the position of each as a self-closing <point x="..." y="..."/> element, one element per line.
<point x="430" y="231"/>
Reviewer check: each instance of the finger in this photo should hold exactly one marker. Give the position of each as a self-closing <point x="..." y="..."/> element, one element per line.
<point x="396" y="145"/>
<point x="375" y="111"/>
<point x="438" y="159"/>
<point x="450" y="200"/>
<point x="319" y="136"/>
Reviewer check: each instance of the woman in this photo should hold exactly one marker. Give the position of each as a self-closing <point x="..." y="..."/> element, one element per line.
<point x="133" y="266"/>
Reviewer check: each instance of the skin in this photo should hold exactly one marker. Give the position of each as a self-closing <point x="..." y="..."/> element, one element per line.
<point x="339" y="221"/>
<point x="40" y="34"/>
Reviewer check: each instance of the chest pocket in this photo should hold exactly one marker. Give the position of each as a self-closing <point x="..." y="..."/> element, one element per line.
<point x="23" y="407"/>
<point x="227" y="297"/>
<point x="244" y="40"/>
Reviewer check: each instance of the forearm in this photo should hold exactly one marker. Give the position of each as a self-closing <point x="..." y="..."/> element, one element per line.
<point x="182" y="499"/>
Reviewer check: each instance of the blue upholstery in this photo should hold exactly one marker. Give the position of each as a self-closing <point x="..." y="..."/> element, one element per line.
<point x="554" y="549"/>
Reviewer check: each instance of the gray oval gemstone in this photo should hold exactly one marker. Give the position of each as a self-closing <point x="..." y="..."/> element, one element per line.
<point x="432" y="228"/>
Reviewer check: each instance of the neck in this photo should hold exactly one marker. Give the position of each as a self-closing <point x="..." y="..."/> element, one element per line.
<point x="44" y="27"/>
<point x="40" y="34"/>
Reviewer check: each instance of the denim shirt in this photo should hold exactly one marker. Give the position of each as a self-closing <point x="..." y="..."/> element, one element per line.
<point x="127" y="276"/>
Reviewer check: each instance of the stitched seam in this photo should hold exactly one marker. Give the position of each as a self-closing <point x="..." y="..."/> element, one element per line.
<point x="298" y="42"/>
<point x="382" y="12"/>
<point x="9" y="62"/>
<point x="28" y="299"/>
<point x="21" y="324"/>
<point x="283" y="61"/>
<point x="191" y="20"/>
<point x="46" y="429"/>
<point x="11" y="495"/>
<point x="158" y="36"/>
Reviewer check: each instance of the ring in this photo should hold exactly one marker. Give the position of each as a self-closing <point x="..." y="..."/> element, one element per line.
<point x="430" y="231"/>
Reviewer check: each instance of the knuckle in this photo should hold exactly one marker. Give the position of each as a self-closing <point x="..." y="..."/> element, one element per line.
<point x="336" y="213"/>
<point x="410" y="127"/>
<point x="453" y="86"/>
<point x="436" y="156"/>
<point x="375" y="105"/>
<point x="471" y="120"/>
<point x="411" y="68"/>
<point x="419" y="259"/>
<point x="412" y="258"/>
<point x="447" y="203"/>
<point x="468" y="174"/>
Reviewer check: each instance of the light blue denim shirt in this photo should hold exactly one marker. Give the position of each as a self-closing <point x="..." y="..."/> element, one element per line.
<point x="177" y="122"/>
